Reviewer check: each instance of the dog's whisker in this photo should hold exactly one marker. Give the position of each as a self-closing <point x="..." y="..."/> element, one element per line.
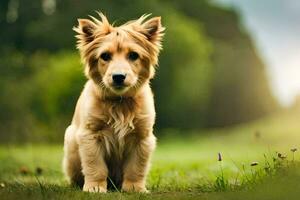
<point x="137" y="85"/>
<point x="104" y="89"/>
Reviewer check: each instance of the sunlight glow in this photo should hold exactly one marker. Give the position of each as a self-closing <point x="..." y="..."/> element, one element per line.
<point x="276" y="33"/>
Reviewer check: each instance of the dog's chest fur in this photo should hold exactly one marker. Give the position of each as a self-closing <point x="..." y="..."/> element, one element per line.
<point x="114" y="124"/>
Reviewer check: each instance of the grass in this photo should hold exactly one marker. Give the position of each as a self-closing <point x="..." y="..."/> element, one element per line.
<point x="183" y="167"/>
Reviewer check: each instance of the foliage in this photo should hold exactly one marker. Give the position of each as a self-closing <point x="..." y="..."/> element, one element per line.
<point x="209" y="74"/>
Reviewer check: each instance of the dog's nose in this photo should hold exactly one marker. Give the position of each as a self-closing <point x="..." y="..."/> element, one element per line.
<point x="118" y="78"/>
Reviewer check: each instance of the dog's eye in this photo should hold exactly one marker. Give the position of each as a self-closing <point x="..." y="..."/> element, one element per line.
<point x="106" y="56"/>
<point x="133" y="56"/>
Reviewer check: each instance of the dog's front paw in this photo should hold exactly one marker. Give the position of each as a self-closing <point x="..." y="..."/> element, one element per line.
<point x="95" y="187"/>
<point x="129" y="186"/>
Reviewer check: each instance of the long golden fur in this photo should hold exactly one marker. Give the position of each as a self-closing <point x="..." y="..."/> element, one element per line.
<point x="110" y="137"/>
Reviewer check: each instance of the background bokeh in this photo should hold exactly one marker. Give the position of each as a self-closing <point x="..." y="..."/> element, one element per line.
<point x="210" y="72"/>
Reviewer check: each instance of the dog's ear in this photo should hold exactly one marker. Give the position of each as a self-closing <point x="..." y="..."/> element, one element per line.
<point x="153" y="29"/>
<point x="85" y="29"/>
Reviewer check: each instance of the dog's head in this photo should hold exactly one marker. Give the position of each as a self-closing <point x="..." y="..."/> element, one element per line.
<point x="119" y="59"/>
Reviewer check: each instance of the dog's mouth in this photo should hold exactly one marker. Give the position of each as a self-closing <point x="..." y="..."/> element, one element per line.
<point x="119" y="89"/>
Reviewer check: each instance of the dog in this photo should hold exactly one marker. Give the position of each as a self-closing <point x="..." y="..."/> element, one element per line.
<point x="110" y="140"/>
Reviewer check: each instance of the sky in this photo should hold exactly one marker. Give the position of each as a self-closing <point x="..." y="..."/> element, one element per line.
<point x="275" y="28"/>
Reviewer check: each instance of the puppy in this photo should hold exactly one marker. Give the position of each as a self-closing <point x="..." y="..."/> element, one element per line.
<point x="110" y="139"/>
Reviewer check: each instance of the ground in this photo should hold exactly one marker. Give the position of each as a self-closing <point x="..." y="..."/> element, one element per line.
<point x="185" y="167"/>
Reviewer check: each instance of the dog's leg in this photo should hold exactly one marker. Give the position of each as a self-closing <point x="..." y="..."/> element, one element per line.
<point x="136" y="167"/>
<point x="94" y="167"/>
<point x="71" y="161"/>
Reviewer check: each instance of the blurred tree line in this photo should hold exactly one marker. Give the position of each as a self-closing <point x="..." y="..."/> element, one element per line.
<point x="209" y="75"/>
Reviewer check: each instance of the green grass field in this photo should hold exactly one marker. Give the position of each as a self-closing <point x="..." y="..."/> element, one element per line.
<point x="183" y="167"/>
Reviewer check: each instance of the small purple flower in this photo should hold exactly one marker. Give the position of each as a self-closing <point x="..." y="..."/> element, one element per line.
<point x="281" y="156"/>
<point x="254" y="164"/>
<point x="219" y="157"/>
<point x="294" y="150"/>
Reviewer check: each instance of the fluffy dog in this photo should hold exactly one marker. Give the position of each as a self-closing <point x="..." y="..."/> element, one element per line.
<point x="110" y="138"/>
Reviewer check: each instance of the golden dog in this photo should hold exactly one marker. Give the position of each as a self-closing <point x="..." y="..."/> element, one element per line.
<point x="110" y="138"/>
